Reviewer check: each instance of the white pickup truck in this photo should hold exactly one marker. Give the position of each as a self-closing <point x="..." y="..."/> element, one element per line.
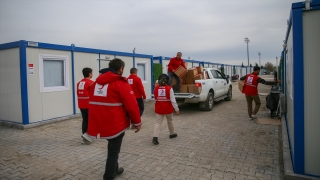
<point x="214" y="87"/>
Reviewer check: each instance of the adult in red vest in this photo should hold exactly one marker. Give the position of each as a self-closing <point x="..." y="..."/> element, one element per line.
<point x="137" y="87"/>
<point x="172" y="66"/>
<point x="112" y="106"/>
<point x="250" y="89"/>
<point x="164" y="107"/>
<point x="83" y="88"/>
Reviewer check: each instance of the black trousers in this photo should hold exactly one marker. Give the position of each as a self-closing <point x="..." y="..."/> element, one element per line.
<point x="114" y="146"/>
<point x="84" y="113"/>
<point x="141" y="105"/>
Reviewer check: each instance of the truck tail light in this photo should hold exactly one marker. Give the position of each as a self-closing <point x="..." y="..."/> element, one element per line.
<point x="197" y="88"/>
<point x="197" y="84"/>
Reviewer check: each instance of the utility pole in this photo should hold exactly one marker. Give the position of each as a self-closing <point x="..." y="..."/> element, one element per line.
<point x="247" y="41"/>
<point x="259" y="61"/>
<point x="134" y="60"/>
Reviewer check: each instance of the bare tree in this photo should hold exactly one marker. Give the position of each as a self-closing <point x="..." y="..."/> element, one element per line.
<point x="269" y="66"/>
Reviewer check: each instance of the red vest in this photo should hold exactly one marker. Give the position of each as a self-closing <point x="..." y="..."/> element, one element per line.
<point x="251" y="85"/>
<point x="136" y="85"/>
<point x="163" y="103"/>
<point x="83" y="88"/>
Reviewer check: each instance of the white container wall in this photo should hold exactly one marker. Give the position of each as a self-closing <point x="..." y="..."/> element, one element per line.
<point x="301" y="55"/>
<point x="289" y="89"/>
<point x="128" y="65"/>
<point x="311" y="43"/>
<point x="39" y="79"/>
<point x="10" y="94"/>
<point x="49" y="104"/>
<point x="165" y="66"/>
<point x="189" y="65"/>
<point x="144" y="72"/>
<point x="83" y="60"/>
<point x="104" y="60"/>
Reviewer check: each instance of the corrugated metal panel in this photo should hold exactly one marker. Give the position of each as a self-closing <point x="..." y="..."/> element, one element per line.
<point x="289" y="93"/>
<point x="311" y="42"/>
<point x="10" y="89"/>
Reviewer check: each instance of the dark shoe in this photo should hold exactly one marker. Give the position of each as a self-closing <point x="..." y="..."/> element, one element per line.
<point x="155" y="141"/>
<point x="173" y="135"/>
<point x="120" y="170"/>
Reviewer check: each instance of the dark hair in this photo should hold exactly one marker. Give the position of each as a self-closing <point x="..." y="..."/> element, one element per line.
<point x="133" y="70"/>
<point x="86" y="71"/>
<point x="116" y="64"/>
<point x="163" y="79"/>
<point x="256" y="68"/>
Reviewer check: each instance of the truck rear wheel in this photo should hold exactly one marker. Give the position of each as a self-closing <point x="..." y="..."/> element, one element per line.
<point x="208" y="104"/>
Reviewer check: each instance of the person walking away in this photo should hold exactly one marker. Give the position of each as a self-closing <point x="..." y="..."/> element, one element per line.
<point x="164" y="107"/>
<point x="138" y="89"/>
<point x="83" y="88"/>
<point x="112" y="106"/>
<point x="250" y="89"/>
<point x="172" y="66"/>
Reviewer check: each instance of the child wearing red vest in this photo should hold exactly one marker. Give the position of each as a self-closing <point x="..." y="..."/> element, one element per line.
<point x="164" y="107"/>
<point x="83" y="88"/>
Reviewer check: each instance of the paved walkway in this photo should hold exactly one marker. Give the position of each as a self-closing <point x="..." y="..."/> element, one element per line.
<point x="220" y="144"/>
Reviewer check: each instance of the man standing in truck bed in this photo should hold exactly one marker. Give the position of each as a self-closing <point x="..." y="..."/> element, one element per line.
<point x="172" y="66"/>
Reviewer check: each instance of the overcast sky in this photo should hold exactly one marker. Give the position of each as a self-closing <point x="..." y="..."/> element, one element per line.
<point x="204" y="30"/>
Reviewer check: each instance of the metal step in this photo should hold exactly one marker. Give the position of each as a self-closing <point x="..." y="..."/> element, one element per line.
<point x="185" y="95"/>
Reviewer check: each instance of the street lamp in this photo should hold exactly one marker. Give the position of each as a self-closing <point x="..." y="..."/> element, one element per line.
<point x="134" y="61"/>
<point x="247" y="41"/>
<point x="259" y="59"/>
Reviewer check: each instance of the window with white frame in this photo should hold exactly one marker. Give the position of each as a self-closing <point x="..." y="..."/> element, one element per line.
<point x="53" y="73"/>
<point x="142" y="71"/>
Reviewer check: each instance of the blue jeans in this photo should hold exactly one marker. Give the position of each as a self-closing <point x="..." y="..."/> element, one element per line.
<point x="177" y="86"/>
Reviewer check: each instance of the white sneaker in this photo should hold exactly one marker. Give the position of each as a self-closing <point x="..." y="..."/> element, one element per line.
<point x="253" y="116"/>
<point x="86" y="137"/>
